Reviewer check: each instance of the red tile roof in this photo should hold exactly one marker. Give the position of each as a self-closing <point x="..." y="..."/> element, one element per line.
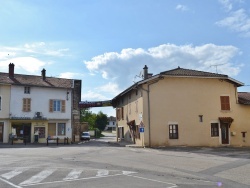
<point x="244" y="98"/>
<point x="29" y="80"/>
<point x="188" y="72"/>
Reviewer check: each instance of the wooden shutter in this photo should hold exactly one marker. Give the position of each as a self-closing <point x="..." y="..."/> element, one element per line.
<point x="52" y="129"/>
<point x="122" y="111"/>
<point x="26" y="104"/>
<point x="225" y="103"/>
<point x="50" y="105"/>
<point x="118" y="114"/>
<point x="63" y="106"/>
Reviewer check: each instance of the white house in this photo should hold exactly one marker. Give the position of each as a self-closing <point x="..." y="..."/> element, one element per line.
<point x="38" y="105"/>
<point x="111" y="124"/>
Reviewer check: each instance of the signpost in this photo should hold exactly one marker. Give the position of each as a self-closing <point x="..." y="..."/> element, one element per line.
<point x="142" y="131"/>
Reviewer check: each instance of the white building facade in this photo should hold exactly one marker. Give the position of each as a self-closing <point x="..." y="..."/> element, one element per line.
<point x="39" y="107"/>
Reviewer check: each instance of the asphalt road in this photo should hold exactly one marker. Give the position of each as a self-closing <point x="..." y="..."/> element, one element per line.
<point x="99" y="163"/>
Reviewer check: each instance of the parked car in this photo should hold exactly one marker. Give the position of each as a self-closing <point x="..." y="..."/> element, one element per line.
<point x="85" y="136"/>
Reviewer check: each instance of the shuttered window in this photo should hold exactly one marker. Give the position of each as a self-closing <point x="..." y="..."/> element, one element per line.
<point x="57" y="105"/>
<point x="26" y="104"/>
<point x="225" y="103"/>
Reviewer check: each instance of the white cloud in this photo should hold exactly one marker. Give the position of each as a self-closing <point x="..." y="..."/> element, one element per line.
<point x="121" y="68"/>
<point x="93" y="96"/>
<point x="227" y="4"/>
<point x="238" y="21"/>
<point x="111" y="88"/>
<point x="70" y="75"/>
<point x="181" y="7"/>
<point x="29" y="64"/>
<point x="29" y="57"/>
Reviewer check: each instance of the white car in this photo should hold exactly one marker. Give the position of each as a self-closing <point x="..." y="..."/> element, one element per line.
<point x="85" y="136"/>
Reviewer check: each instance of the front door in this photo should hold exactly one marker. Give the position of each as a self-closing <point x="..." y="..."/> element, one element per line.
<point x="1" y="132"/>
<point x="224" y="133"/>
<point x="27" y="132"/>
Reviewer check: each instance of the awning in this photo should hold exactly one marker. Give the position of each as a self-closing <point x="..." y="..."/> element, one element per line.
<point x="228" y="120"/>
<point x="131" y="123"/>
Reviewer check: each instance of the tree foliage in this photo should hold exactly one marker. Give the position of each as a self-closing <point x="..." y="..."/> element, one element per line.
<point x="99" y="120"/>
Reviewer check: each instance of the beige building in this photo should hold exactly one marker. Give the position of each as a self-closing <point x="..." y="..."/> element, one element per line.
<point x="183" y="107"/>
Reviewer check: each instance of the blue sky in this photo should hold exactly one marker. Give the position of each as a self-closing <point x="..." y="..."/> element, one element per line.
<point x="106" y="43"/>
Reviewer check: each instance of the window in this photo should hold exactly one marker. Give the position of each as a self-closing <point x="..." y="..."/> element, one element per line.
<point x="136" y="106"/>
<point x="57" y="105"/>
<point x="0" y="103"/>
<point x="225" y="103"/>
<point x="173" y="131"/>
<point x="129" y="108"/>
<point x="26" y="104"/>
<point x="56" y="129"/>
<point x="214" y="129"/>
<point x="61" y="127"/>
<point x="120" y="113"/>
<point x="27" y="90"/>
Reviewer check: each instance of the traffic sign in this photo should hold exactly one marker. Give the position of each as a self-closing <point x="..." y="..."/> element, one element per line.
<point x="141" y="129"/>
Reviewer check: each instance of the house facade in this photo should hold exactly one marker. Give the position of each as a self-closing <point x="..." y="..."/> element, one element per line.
<point x="38" y="105"/>
<point x="111" y="124"/>
<point x="183" y="107"/>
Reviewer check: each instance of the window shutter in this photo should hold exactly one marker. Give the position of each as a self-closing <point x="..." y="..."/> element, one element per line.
<point x="28" y="107"/>
<point x="122" y="111"/>
<point x="50" y="105"/>
<point x="63" y="106"/>
<point x="24" y="105"/>
<point x="225" y="104"/>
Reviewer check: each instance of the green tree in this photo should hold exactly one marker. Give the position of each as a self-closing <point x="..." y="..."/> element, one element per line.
<point x="101" y="121"/>
<point x="88" y="116"/>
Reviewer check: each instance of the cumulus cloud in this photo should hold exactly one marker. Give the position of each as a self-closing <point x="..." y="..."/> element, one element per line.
<point x="122" y="68"/>
<point x="70" y="75"/>
<point x="237" y="20"/>
<point x="29" y="57"/>
<point x="110" y="88"/>
<point x="181" y="7"/>
<point x="93" y="96"/>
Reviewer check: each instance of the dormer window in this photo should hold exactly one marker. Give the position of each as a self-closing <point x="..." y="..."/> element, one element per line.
<point x="27" y="90"/>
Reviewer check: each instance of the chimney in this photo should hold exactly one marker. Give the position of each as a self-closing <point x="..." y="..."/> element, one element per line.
<point x="44" y="74"/>
<point x="11" y="70"/>
<point x="145" y="73"/>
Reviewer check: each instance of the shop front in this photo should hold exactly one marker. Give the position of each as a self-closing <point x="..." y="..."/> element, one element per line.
<point x="28" y="131"/>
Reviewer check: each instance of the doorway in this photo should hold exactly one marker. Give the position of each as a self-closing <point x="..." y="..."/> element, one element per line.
<point x="23" y="130"/>
<point x="224" y="133"/>
<point x="1" y="131"/>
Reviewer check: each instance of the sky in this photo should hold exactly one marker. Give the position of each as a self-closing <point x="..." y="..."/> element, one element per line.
<point x="106" y="43"/>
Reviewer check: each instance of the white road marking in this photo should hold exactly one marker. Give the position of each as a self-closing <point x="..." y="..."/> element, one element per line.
<point x="13" y="185"/>
<point x="172" y="185"/>
<point x="102" y="173"/>
<point x="128" y="172"/>
<point x="74" y="174"/>
<point x="39" y="177"/>
<point x="13" y="173"/>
